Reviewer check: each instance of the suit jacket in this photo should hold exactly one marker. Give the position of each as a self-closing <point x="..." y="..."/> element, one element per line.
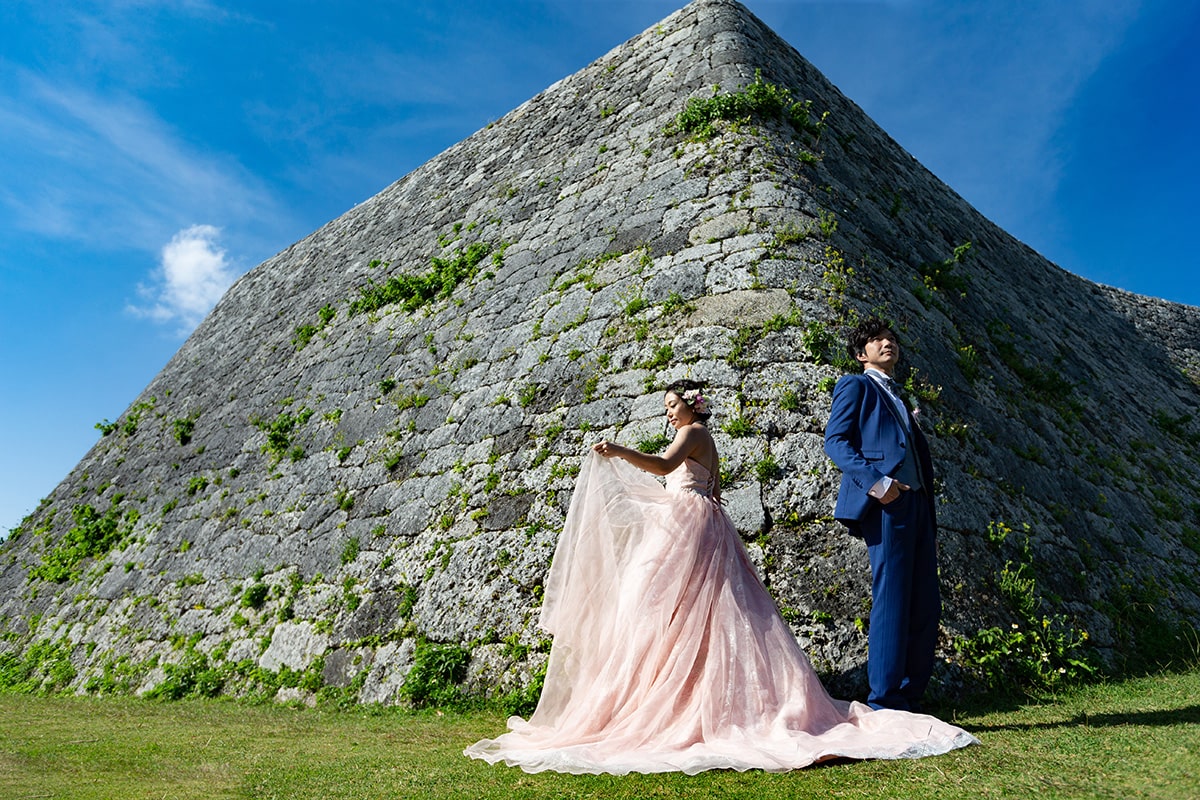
<point x="866" y="440"/>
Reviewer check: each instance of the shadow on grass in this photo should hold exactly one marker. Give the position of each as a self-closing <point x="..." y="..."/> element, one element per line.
<point x="1188" y="715"/>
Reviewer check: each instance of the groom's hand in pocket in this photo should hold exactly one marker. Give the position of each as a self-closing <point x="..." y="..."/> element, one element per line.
<point x="893" y="492"/>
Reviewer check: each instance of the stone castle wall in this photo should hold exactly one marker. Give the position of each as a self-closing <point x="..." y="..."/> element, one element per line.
<point x="310" y="489"/>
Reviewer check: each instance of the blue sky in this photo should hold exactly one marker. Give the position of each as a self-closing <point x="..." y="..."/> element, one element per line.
<point x="154" y="150"/>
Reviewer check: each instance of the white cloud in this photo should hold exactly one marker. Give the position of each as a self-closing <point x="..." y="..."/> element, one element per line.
<point x="194" y="273"/>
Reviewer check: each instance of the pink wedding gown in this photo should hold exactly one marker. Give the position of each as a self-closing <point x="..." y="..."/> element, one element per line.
<point x="669" y="654"/>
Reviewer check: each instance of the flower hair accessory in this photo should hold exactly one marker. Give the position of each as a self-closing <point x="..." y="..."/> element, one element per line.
<point x="696" y="401"/>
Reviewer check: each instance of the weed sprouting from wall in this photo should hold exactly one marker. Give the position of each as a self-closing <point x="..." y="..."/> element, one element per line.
<point x="93" y="534"/>
<point x="435" y="675"/>
<point x="759" y="100"/>
<point x="1036" y="651"/>
<point x="414" y="291"/>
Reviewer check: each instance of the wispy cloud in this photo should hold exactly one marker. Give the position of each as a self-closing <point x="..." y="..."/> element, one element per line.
<point x="193" y="274"/>
<point x="107" y="171"/>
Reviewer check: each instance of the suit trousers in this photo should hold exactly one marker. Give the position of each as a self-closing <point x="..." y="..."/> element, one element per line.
<point x="906" y="602"/>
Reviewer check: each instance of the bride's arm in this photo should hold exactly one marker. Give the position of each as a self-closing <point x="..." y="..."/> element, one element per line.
<point x="684" y="445"/>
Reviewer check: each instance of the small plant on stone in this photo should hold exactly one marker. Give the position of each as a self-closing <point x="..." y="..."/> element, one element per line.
<point x="633" y="301"/>
<point x="350" y="597"/>
<point x="837" y="277"/>
<point x="408" y="600"/>
<point x="940" y="276"/>
<point x="590" y="385"/>
<point x="254" y="596"/>
<point x="414" y="400"/>
<point x="676" y="304"/>
<point x="653" y="444"/>
<point x="183" y="428"/>
<point x="767" y="469"/>
<point x="738" y="427"/>
<point x="787" y="234"/>
<point x="818" y="342"/>
<point x="660" y="359"/>
<point x="528" y="394"/>
<point x="828" y="223"/>
<point x="303" y="335"/>
<point x="93" y="534"/>
<point x="743" y="340"/>
<point x="921" y="389"/>
<point x="955" y="429"/>
<point x="435" y="676"/>
<point x="279" y="431"/>
<point x="968" y="362"/>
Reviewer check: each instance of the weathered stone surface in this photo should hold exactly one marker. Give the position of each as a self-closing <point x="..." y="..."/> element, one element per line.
<point x="294" y="646"/>
<point x="354" y="483"/>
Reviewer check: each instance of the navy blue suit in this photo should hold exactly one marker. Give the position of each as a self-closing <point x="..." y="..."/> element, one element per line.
<point x="867" y="440"/>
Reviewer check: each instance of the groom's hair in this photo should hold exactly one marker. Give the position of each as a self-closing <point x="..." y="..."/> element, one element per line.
<point x="865" y="331"/>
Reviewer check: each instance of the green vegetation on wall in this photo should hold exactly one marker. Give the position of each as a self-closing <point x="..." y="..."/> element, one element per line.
<point x="279" y="433"/>
<point x="93" y="534"/>
<point x="435" y="675"/>
<point x="759" y="100"/>
<point x="414" y="291"/>
<point x="1036" y="651"/>
<point x="43" y="668"/>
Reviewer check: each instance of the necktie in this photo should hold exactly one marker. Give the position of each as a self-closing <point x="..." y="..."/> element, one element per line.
<point x="897" y="392"/>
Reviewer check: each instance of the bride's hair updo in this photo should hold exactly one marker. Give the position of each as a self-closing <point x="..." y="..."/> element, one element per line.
<point x="692" y="393"/>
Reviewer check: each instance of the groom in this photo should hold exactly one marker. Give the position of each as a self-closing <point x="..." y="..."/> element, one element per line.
<point x="886" y="497"/>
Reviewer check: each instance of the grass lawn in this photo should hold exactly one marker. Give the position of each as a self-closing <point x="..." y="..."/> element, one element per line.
<point x="1138" y="738"/>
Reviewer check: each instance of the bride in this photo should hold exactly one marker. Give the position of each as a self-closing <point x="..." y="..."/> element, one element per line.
<point x="669" y="654"/>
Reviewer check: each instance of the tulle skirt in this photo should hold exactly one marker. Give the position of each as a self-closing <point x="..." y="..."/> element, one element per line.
<point x="670" y="655"/>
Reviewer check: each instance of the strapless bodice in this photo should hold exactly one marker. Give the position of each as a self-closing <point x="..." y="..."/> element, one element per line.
<point x="691" y="476"/>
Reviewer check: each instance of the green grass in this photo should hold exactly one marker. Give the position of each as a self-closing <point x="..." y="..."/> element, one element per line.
<point x="1138" y="738"/>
